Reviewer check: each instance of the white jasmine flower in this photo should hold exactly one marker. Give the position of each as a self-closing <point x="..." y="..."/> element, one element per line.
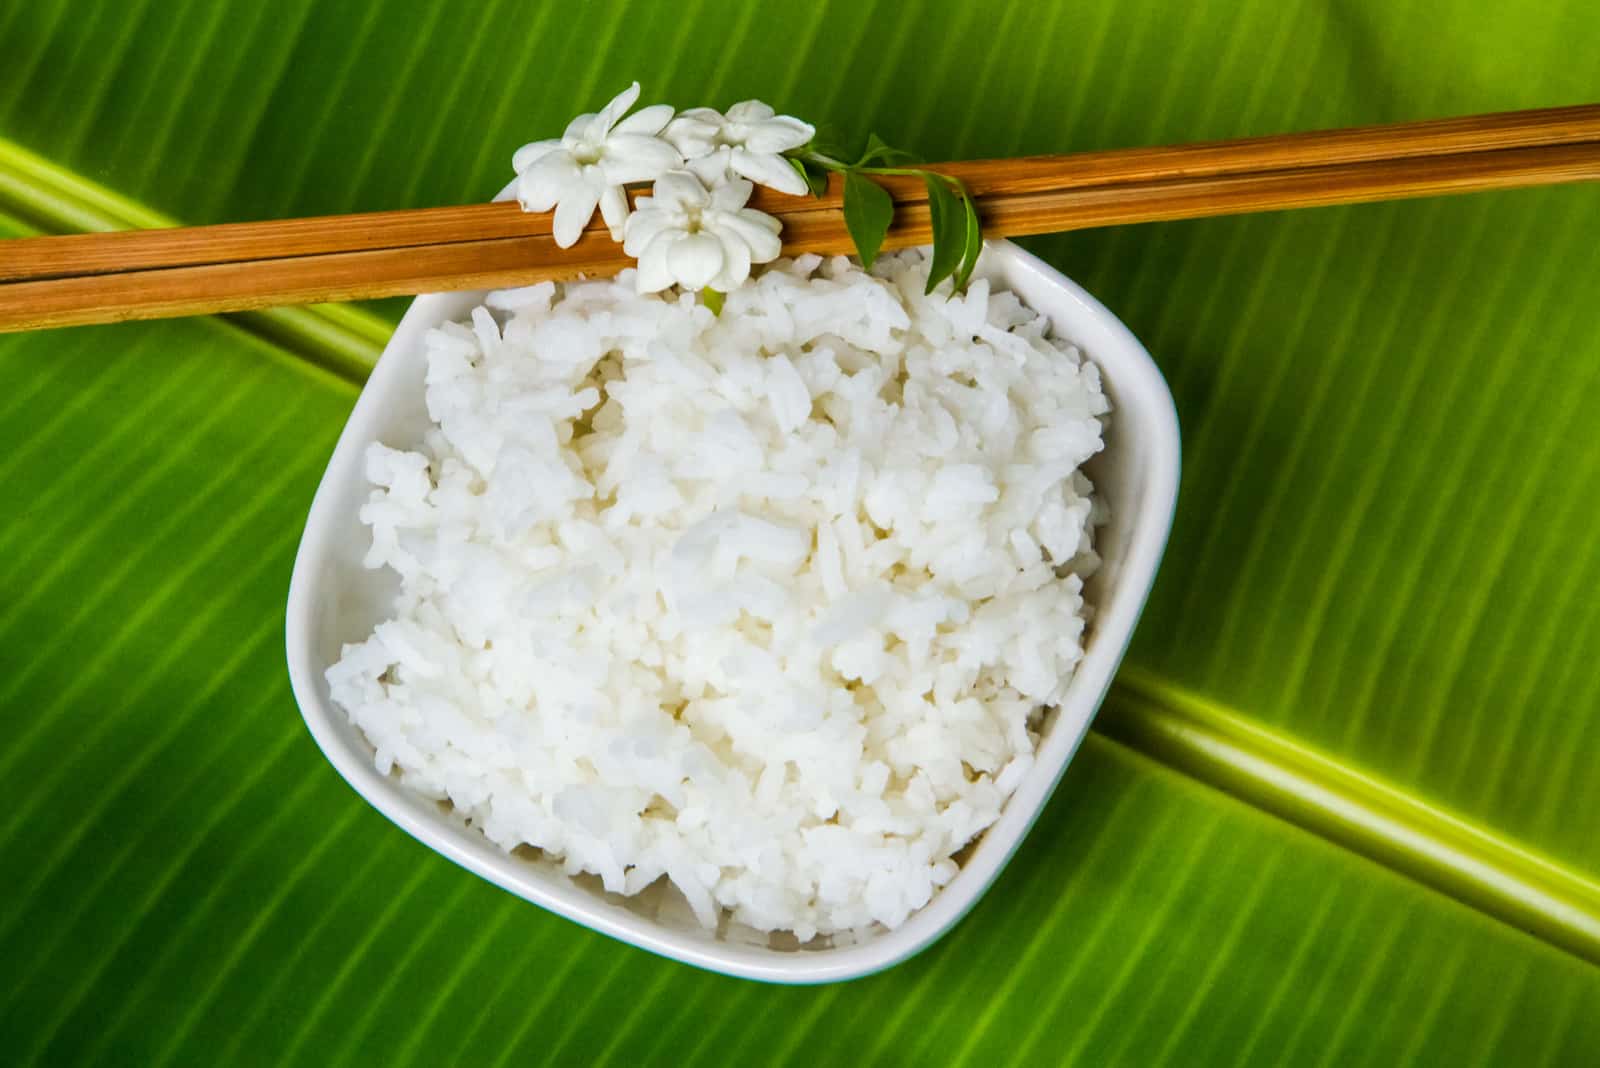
<point x="748" y="142"/>
<point x="592" y="161"/>
<point x="687" y="235"/>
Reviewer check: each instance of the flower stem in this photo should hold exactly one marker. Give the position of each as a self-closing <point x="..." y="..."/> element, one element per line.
<point x="712" y="299"/>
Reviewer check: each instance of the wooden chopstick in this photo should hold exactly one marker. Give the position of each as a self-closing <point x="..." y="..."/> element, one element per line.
<point x="60" y="281"/>
<point x="81" y="254"/>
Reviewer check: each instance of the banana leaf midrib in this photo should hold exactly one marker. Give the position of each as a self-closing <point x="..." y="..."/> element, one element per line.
<point x="51" y="199"/>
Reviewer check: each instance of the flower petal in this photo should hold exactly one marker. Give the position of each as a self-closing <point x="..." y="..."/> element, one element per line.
<point x="754" y="228"/>
<point x="529" y="154"/>
<point x="735" y="263"/>
<point x="654" y="275"/>
<point x="695" y="259"/>
<point x="644" y="225"/>
<point x="547" y="181"/>
<point x="731" y="194"/>
<point x="778" y="134"/>
<point x="710" y="116"/>
<point x="750" y="111"/>
<point x="711" y="168"/>
<point x="574" y="212"/>
<point x="690" y="142"/>
<point x="616" y="108"/>
<point x="646" y="121"/>
<point x="637" y="158"/>
<point x="679" y="191"/>
<point x="694" y="132"/>
<point x="760" y="220"/>
<point x="614" y="210"/>
<point x="769" y="170"/>
<point x="578" y="130"/>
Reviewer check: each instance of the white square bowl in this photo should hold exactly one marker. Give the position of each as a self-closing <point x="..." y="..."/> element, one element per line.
<point x="334" y="600"/>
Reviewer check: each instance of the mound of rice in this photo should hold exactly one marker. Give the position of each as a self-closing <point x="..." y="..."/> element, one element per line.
<point x="768" y="604"/>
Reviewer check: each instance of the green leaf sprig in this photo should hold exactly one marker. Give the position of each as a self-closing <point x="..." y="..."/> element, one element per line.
<point x="869" y="209"/>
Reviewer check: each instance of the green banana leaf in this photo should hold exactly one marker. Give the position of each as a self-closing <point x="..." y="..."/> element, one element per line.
<point x="1343" y="805"/>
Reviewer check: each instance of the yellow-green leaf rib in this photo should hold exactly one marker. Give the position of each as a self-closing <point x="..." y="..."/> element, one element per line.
<point x="1356" y="810"/>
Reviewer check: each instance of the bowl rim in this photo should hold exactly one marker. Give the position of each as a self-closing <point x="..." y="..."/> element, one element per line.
<point x="1128" y="371"/>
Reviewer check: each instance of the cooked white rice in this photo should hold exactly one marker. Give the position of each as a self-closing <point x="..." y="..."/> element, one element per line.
<point x="766" y="604"/>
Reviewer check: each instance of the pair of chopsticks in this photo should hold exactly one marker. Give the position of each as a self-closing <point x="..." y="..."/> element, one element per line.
<point x="146" y="274"/>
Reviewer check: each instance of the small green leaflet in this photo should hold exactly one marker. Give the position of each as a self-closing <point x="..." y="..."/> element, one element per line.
<point x="949" y="229"/>
<point x="972" y="245"/>
<point x="880" y="150"/>
<point x="868" y="211"/>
